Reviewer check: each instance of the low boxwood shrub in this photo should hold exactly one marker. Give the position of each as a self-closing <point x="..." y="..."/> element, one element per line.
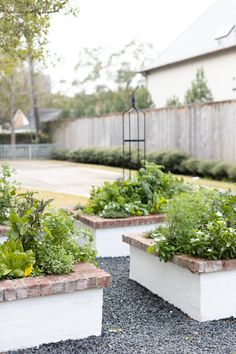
<point x="201" y="224"/>
<point x="221" y="170"/>
<point x="170" y="159"/>
<point x="60" y="154"/>
<point x="174" y="161"/>
<point x="141" y="195"/>
<point x="190" y="166"/>
<point x="204" y="168"/>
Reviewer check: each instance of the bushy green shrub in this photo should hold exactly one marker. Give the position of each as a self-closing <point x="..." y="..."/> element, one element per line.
<point x="221" y="170"/>
<point x="191" y="166"/>
<point x="60" y="154"/>
<point x="170" y="159"/>
<point x="142" y="195"/>
<point x="200" y="224"/>
<point x="204" y="168"/>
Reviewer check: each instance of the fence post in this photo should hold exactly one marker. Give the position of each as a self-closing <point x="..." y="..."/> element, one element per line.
<point x="30" y="152"/>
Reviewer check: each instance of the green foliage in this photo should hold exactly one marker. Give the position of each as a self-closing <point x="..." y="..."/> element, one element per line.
<point x="14" y="262"/>
<point x="143" y="195"/>
<point x="7" y="192"/>
<point x="26" y="218"/>
<point x="173" y="102"/>
<point x="199" y="91"/>
<point x="50" y="235"/>
<point x="59" y="247"/>
<point x="200" y="224"/>
<point x="54" y="259"/>
<point x="25" y="25"/>
<point x="170" y="159"/>
<point x="105" y="101"/>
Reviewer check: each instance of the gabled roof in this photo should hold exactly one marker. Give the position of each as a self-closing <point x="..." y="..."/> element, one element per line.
<point x="46" y="115"/>
<point x="214" y="31"/>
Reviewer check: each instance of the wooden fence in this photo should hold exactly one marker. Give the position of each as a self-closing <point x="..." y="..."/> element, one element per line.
<point x="205" y="130"/>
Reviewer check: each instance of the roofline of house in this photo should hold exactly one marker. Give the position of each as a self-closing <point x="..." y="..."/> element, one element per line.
<point x="155" y="68"/>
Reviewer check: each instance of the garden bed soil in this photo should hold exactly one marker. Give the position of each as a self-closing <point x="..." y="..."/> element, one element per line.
<point x="108" y="232"/>
<point x="203" y="289"/>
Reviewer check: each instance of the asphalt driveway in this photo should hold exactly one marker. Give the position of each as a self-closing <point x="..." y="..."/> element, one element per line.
<point x="61" y="176"/>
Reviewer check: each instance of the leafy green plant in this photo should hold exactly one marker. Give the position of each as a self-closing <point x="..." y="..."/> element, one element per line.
<point x="14" y="261"/>
<point x="200" y="224"/>
<point x="7" y="192"/>
<point x="50" y="235"/>
<point x="142" y="195"/>
<point x="25" y="219"/>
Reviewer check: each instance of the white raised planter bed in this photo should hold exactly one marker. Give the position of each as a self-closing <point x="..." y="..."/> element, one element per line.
<point x="108" y="232"/>
<point x="203" y="289"/>
<point x="3" y="231"/>
<point x="52" y="308"/>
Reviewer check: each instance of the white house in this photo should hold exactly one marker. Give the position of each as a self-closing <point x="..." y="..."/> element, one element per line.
<point x="210" y="43"/>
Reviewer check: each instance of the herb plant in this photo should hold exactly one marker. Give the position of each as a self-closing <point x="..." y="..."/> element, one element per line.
<point x="142" y="195"/>
<point x="201" y="224"/>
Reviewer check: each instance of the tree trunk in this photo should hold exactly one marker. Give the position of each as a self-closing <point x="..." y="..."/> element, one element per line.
<point x="12" y="110"/>
<point x="33" y="98"/>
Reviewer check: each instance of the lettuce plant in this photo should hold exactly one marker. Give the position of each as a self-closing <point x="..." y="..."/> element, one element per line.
<point x="14" y="261"/>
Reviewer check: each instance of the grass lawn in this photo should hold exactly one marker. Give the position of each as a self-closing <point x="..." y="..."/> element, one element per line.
<point x="61" y="200"/>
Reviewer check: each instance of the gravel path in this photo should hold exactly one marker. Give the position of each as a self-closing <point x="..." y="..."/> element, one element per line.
<point x="136" y="321"/>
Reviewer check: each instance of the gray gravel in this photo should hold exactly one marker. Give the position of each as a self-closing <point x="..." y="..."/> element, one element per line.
<point x="136" y="321"/>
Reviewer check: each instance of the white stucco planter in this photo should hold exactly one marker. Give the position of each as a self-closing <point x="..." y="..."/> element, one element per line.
<point x="52" y="308"/>
<point x="108" y="232"/>
<point x="203" y="289"/>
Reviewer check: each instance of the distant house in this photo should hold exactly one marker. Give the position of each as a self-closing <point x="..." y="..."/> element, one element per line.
<point x="209" y="43"/>
<point x="46" y="115"/>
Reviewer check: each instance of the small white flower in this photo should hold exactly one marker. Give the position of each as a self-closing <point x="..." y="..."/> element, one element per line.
<point x="219" y="213"/>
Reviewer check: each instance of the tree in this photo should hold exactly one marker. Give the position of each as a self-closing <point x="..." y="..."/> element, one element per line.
<point x="23" y="34"/>
<point x="199" y="91"/>
<point x="173" y="101"/>
<point x="104" y="79"/>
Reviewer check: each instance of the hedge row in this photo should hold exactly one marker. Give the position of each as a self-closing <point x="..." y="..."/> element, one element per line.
<point x="174" y="161"/>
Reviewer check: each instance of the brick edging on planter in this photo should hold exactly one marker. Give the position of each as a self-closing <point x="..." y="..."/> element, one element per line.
<point x="194" y="264"/>
<point x="85" y="276"/>
<point x="96" y="222"/>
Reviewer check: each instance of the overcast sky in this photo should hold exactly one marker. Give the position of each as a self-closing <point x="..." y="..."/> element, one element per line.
<point x="114" y="23"/>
